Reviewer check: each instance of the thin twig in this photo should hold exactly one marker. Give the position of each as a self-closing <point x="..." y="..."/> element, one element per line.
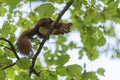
<point x="8" y="66"/>
<point x="5" y="47"/>
<point x="48" y="34"/>
<point x="30" y="6"/>
<point x="12" y="47"/>
<point x="36" y="73"/>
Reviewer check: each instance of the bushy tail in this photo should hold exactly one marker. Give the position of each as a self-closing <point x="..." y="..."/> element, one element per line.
<point x="24" y="45"/>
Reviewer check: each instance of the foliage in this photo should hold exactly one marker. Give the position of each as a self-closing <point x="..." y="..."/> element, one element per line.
<point x="88" y="18"/>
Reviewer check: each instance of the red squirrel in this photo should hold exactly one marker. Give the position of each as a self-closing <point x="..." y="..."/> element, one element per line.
<point x="24" y="44"/>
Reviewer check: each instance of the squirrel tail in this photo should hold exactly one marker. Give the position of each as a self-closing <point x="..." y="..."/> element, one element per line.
<point x="24" y="45"/>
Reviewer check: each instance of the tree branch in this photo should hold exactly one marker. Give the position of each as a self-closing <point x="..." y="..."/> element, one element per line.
<point x="8" y="66"/>
<point x="48" y="34"/>
<point x="12" y="47"/>
<point x="6" y="47"/>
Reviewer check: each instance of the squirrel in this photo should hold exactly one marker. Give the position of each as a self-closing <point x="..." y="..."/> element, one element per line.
<point x="41" y="28"/>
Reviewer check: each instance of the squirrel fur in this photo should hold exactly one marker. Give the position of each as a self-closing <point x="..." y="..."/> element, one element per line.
<point x="24" y="44"/>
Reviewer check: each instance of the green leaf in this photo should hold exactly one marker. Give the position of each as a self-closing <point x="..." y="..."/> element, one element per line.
<point x="5" y="61"/>
<point x="74" y="71"/>
<point x="90" y="43"/>
<point x="89" y="36"/>
<point x="110" y="31"/>
<point x="89" y="76"/>
<point x="112" y="8"/>
<point x="5" y="30"/>
<point x="38" y="66"/>
<point x="45" y="10"/>
<point x="61" y="39"/>
<point x="36" y="78"/>
<point x="101" y="41"/>
<point x="20" y="77"/>
<point x="51" y="77"/>
<point x="117" y="52"/>
<point x="63" y="59"/>
<point x="2" y="75"/>
<point x="81" y="54"/>
<point x="33" y="17"/>
<point x="9" y="53"/>
<point x="44" y="75"/>
<point x="72" y="45"/>
<point x="77" y="4"/>
<point x="101" y="71"/>
<point x="61" y="70"/>
<point x="10" y="71"/>
<point x="64" y="48"/>
<point x="69" y="78"/>
<point x="23" y="63"/>
<point x="24" y="23"/>
<point x="56" y="1"/>
<point x="88" y="17"/>
<point x="12" y="3"/>
<point x="2" y="11"/>
<point x="49" y="58"/>
<point x="92" y="54"/>
<point x="43" y="30"/>
<point x="93" y="2"/>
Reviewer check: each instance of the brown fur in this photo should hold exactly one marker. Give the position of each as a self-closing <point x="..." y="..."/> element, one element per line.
<point x="24" y="44"/>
